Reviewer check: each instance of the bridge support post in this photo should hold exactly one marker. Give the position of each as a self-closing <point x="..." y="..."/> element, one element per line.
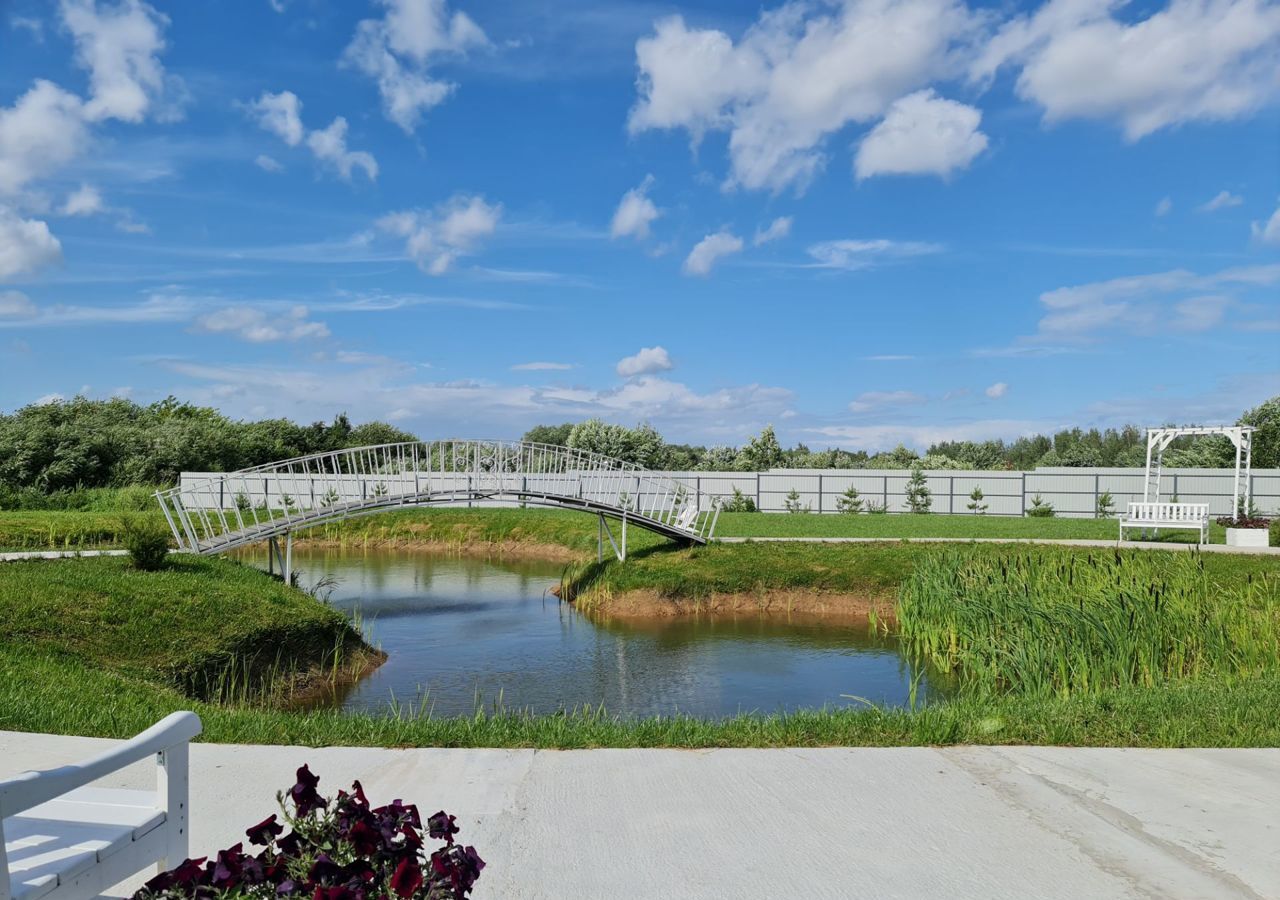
<point x="618" y="551"/>
<point x="285" y="559"/>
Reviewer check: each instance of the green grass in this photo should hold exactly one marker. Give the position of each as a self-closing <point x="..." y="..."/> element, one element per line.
<point x="459" y="527"/>
<point x="201" y="625"/>
<point x="1061" y="623"/>
<point x="932" y="526"/>
<point x="92" y="646"/>
<point x="873" y="568"/>
<point x="46" y="693"/>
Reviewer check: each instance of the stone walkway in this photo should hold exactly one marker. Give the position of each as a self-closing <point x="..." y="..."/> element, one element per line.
<point x="963" y="822"/>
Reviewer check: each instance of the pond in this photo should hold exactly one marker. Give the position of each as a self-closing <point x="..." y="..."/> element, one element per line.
<point x="463" y="633"/>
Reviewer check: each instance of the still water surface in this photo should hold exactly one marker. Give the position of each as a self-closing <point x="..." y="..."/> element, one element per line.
<point x="463" y="632"/>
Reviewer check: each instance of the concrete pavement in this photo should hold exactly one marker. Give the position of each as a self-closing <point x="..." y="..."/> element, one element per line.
<point x="981" y="822"/>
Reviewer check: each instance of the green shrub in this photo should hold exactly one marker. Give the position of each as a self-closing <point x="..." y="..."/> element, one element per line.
<point x="1275" y="532"/>
<point x="1106" y="505"/>
<point x="739" y="502"/>
<point x="1040" y="508"/>
<point x="975" y="504"/>
<point x="147" y="541"/>
<point x="919" y="497"/>
<point x="849" y="502"/>
<point x="793" y="504"/>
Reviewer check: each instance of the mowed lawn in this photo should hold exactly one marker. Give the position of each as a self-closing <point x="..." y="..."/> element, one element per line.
<point x="933" y="525"/>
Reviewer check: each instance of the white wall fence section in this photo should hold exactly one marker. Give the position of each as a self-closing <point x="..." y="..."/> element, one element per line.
<point x="1073" y="492"/>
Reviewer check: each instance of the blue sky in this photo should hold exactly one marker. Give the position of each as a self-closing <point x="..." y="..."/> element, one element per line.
<point x="863" y="222"/>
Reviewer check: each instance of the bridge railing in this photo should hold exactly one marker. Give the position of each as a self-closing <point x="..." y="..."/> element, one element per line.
<point x="214" y="510"/>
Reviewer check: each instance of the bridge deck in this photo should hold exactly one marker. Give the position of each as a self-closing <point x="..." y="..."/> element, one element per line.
<point x="214" y="512"/>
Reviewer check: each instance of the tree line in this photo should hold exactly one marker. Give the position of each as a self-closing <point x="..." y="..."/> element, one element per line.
<point x="52" y="448"/>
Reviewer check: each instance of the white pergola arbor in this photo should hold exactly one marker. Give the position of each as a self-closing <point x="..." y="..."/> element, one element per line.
<point x="1159" y="439"/>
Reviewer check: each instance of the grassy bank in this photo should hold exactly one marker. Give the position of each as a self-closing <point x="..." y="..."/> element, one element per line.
<point x="908" y="526"/>
<point x="872" y="569"/>
<point x="91" y="646"/>
<point x="47" y="693"/>
<point x="208" y="628"/>
<point x="556" y="533"/>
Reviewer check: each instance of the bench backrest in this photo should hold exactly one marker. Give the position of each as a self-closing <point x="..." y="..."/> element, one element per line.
<point x="1192" y="513"/>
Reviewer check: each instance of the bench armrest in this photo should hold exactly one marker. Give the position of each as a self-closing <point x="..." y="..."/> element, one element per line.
<point x="29" y="789"/>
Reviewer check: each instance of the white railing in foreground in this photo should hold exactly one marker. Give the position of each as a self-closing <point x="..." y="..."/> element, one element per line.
<point x="218" y="511"/>
<point x="63" y="840"/>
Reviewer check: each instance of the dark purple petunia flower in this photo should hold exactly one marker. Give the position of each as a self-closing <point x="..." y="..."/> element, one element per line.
<point x="441" y="826"/>
<point x="325" y="870"/>
<point x="184" y="876"/>
<point x="226" y="870"/>
<point x="304" y="795"/>
<point x="364" y="840"/>
<point x="407" y="878"/>
<point x="265" y="831"/>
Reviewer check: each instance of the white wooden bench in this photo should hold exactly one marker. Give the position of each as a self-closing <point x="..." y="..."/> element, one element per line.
<point x="61" y="839"/>
<point x="1188" y="516"/>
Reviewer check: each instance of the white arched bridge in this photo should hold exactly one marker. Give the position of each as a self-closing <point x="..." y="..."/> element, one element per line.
<point x="213" y="512"/>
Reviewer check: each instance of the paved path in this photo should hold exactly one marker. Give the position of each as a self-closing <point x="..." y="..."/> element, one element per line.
<point x="980" y="822"/>
<point x="1063" y="542"/>
<point x="19" y="555"/>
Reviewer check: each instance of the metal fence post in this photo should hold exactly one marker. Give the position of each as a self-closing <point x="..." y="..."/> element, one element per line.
<point x="819" y="493"/>
<point x="1096" y="494"/>
<point x="884" y="491"/>
<point x="758" y="506"/>
<point x="951" y="493"/>
<point x="1175" y="486"/>
<point x="1024" y="493"/>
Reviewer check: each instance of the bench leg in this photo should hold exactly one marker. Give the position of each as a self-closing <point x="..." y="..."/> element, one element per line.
<point x="172" y="784"/>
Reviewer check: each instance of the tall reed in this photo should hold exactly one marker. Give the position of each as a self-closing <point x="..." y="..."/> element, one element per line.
<point x="1062" y="622"/>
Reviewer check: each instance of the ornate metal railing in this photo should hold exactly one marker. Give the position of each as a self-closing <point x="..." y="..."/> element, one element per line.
<point x="213" y="512"/>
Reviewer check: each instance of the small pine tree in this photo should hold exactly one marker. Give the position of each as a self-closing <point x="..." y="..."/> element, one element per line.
<point x="330" y="497"/>
<point x="975" y="504"/>
<point x="287" y="501"/>
<point x="380" y="489"/>
<point x="849" y="502"/>
<point x="1106" y="505"/>
<point x="1040" y="508"/>
<point x="919" y="497"/>
<point x="740" y="502"/>
<point x="242" y="502"/>
<point x="793" y="504"/>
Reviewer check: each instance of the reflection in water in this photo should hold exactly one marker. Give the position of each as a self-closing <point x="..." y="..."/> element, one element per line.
<point x="465" y="632"/>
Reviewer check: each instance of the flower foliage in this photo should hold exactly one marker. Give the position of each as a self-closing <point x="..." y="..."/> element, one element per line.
<point x="1245" y="521"/>
<point x="337" y="848"/>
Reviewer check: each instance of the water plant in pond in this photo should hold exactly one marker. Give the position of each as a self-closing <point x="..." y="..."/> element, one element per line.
<point x="1060" y="623"/>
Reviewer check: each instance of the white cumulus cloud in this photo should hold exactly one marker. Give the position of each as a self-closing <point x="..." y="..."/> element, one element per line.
<point x="635" y="212"/>
<point x="647" y="361"/>
<point x="84" y="201"/>
<point x="709" y="250"/>
<point x="800" y="73"/>
<point x="1267" y="232"/>
<point x="330" y="147"/>
<point x="777" y="229"/>
<point x="268" y="164"/>
<point x="1192" y="60"/>
<point x="997" y="390"/>
<point x="1221" y="200"/>
<point x="435" y="239"/>
<point x="1164" y="207"/>
<point x="25" y="244"/>
<point x="399" y="49"/>
<point x="921" y="134"/>
<point x="281" y="114"/>
<point x="119" y="45"/>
